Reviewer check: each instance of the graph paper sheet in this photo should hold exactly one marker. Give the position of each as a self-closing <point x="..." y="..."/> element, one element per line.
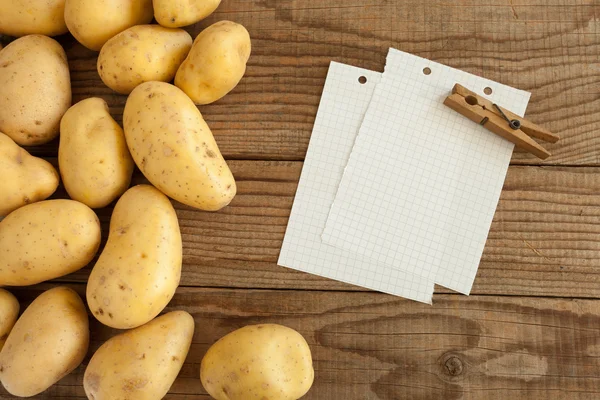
<point x="343" y="105"/>
<point x="423" y="182"/>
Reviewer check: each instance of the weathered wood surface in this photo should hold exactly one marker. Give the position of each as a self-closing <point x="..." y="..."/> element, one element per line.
<point x="375" y="346"/>
<point x="548" y="47"/>
<point x="545" y="239"/>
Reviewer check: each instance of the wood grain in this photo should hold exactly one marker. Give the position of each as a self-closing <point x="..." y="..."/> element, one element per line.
<point x="544" y="241"/>
<point x="376" y="347"/>
<point x="548" y="47"/>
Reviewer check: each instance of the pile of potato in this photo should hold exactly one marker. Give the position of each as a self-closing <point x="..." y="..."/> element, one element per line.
<point x="138" y="271"/>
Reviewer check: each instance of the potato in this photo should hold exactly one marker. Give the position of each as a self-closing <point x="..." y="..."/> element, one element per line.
<point x="141" y="363"/>
<point x="26" y="17"/>
<point x="36" y="89"/>
<point x="216" y="63"/>
<point x="48" y="342"/>
<point x="177" y="13"/>
<point x="25" y="179"/>
<point x="94" y="161"/>
<point x="140" y="54"/>
<point x="258" y="362"/>
<point x="174" y="148"/>
<point x="45" y="240"/>
<point x="9" y="311"/>
<point x="93" y="22"/>
<point x="139" y="269"/>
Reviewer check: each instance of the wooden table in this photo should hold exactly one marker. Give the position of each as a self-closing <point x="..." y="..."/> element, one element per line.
<point x="530" y="330"/>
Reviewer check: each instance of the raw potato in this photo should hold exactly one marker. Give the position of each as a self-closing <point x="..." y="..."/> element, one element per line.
<point x="46" y="240"/>
<point x="26" y="17"/>
<point x="140" y="54"/>
<point x="141" y="363"/>
<point x="9" y="311"/>
<point x="177" y="13"/>
<point x="139" y="269"/>
<point x="174" y="147"/>
<point x="94" y="161"/>
<point x="36" y="89"/>
<point x="25" y="179"/>
<point x="258" y="362"/>
<point x="93" y="22"/>
<point x="216" y="63"/>
<point x="48" y="342"/>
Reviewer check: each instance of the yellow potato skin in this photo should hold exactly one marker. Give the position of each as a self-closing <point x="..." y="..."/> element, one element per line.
<point x="25" y="179"/>
<point x="216" y="63"/>
<point x="9" y="311"/>
<point x="36" y="89"/>
<point x="177" y="13"/>
<point x="139" y="269"/>
<point x="26" y="17"/>
<point x="140" y="54"/>
<point x="94" y="22"/>
<point x="142" y="363"/>
<point x="48" y="341"/>
<point x="258" y="362"/>
<point x="46" y="240"/>
<point x="95" y="164"/>
<point x="174" y="147"/>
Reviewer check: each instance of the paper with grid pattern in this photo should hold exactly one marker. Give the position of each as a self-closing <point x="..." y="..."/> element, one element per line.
<point x="343" y="105"/>
<point x="423" y="182"/>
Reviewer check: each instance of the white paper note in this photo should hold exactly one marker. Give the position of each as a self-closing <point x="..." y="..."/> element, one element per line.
<point x="423" y="182"/>
<point x="343" y="105"/>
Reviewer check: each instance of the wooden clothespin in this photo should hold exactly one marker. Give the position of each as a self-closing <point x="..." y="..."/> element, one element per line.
<point x="500" y="121"/>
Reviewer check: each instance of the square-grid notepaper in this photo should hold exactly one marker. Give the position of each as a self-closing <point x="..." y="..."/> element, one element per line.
<point x="422" y="182"/>
<point x="343" y="105"/>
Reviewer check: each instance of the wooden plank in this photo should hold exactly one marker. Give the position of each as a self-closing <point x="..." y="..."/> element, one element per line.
<point x="374" y="346"/>
<point x="550" y="48"/>
<point x="544" y="241"/>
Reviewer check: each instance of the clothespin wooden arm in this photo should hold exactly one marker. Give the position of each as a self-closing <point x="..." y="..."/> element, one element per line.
<point x="526" y="126"/>
<point x="496" y="124"/>
<point x="537" y="131"/>
<point x="500" y="121"/>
